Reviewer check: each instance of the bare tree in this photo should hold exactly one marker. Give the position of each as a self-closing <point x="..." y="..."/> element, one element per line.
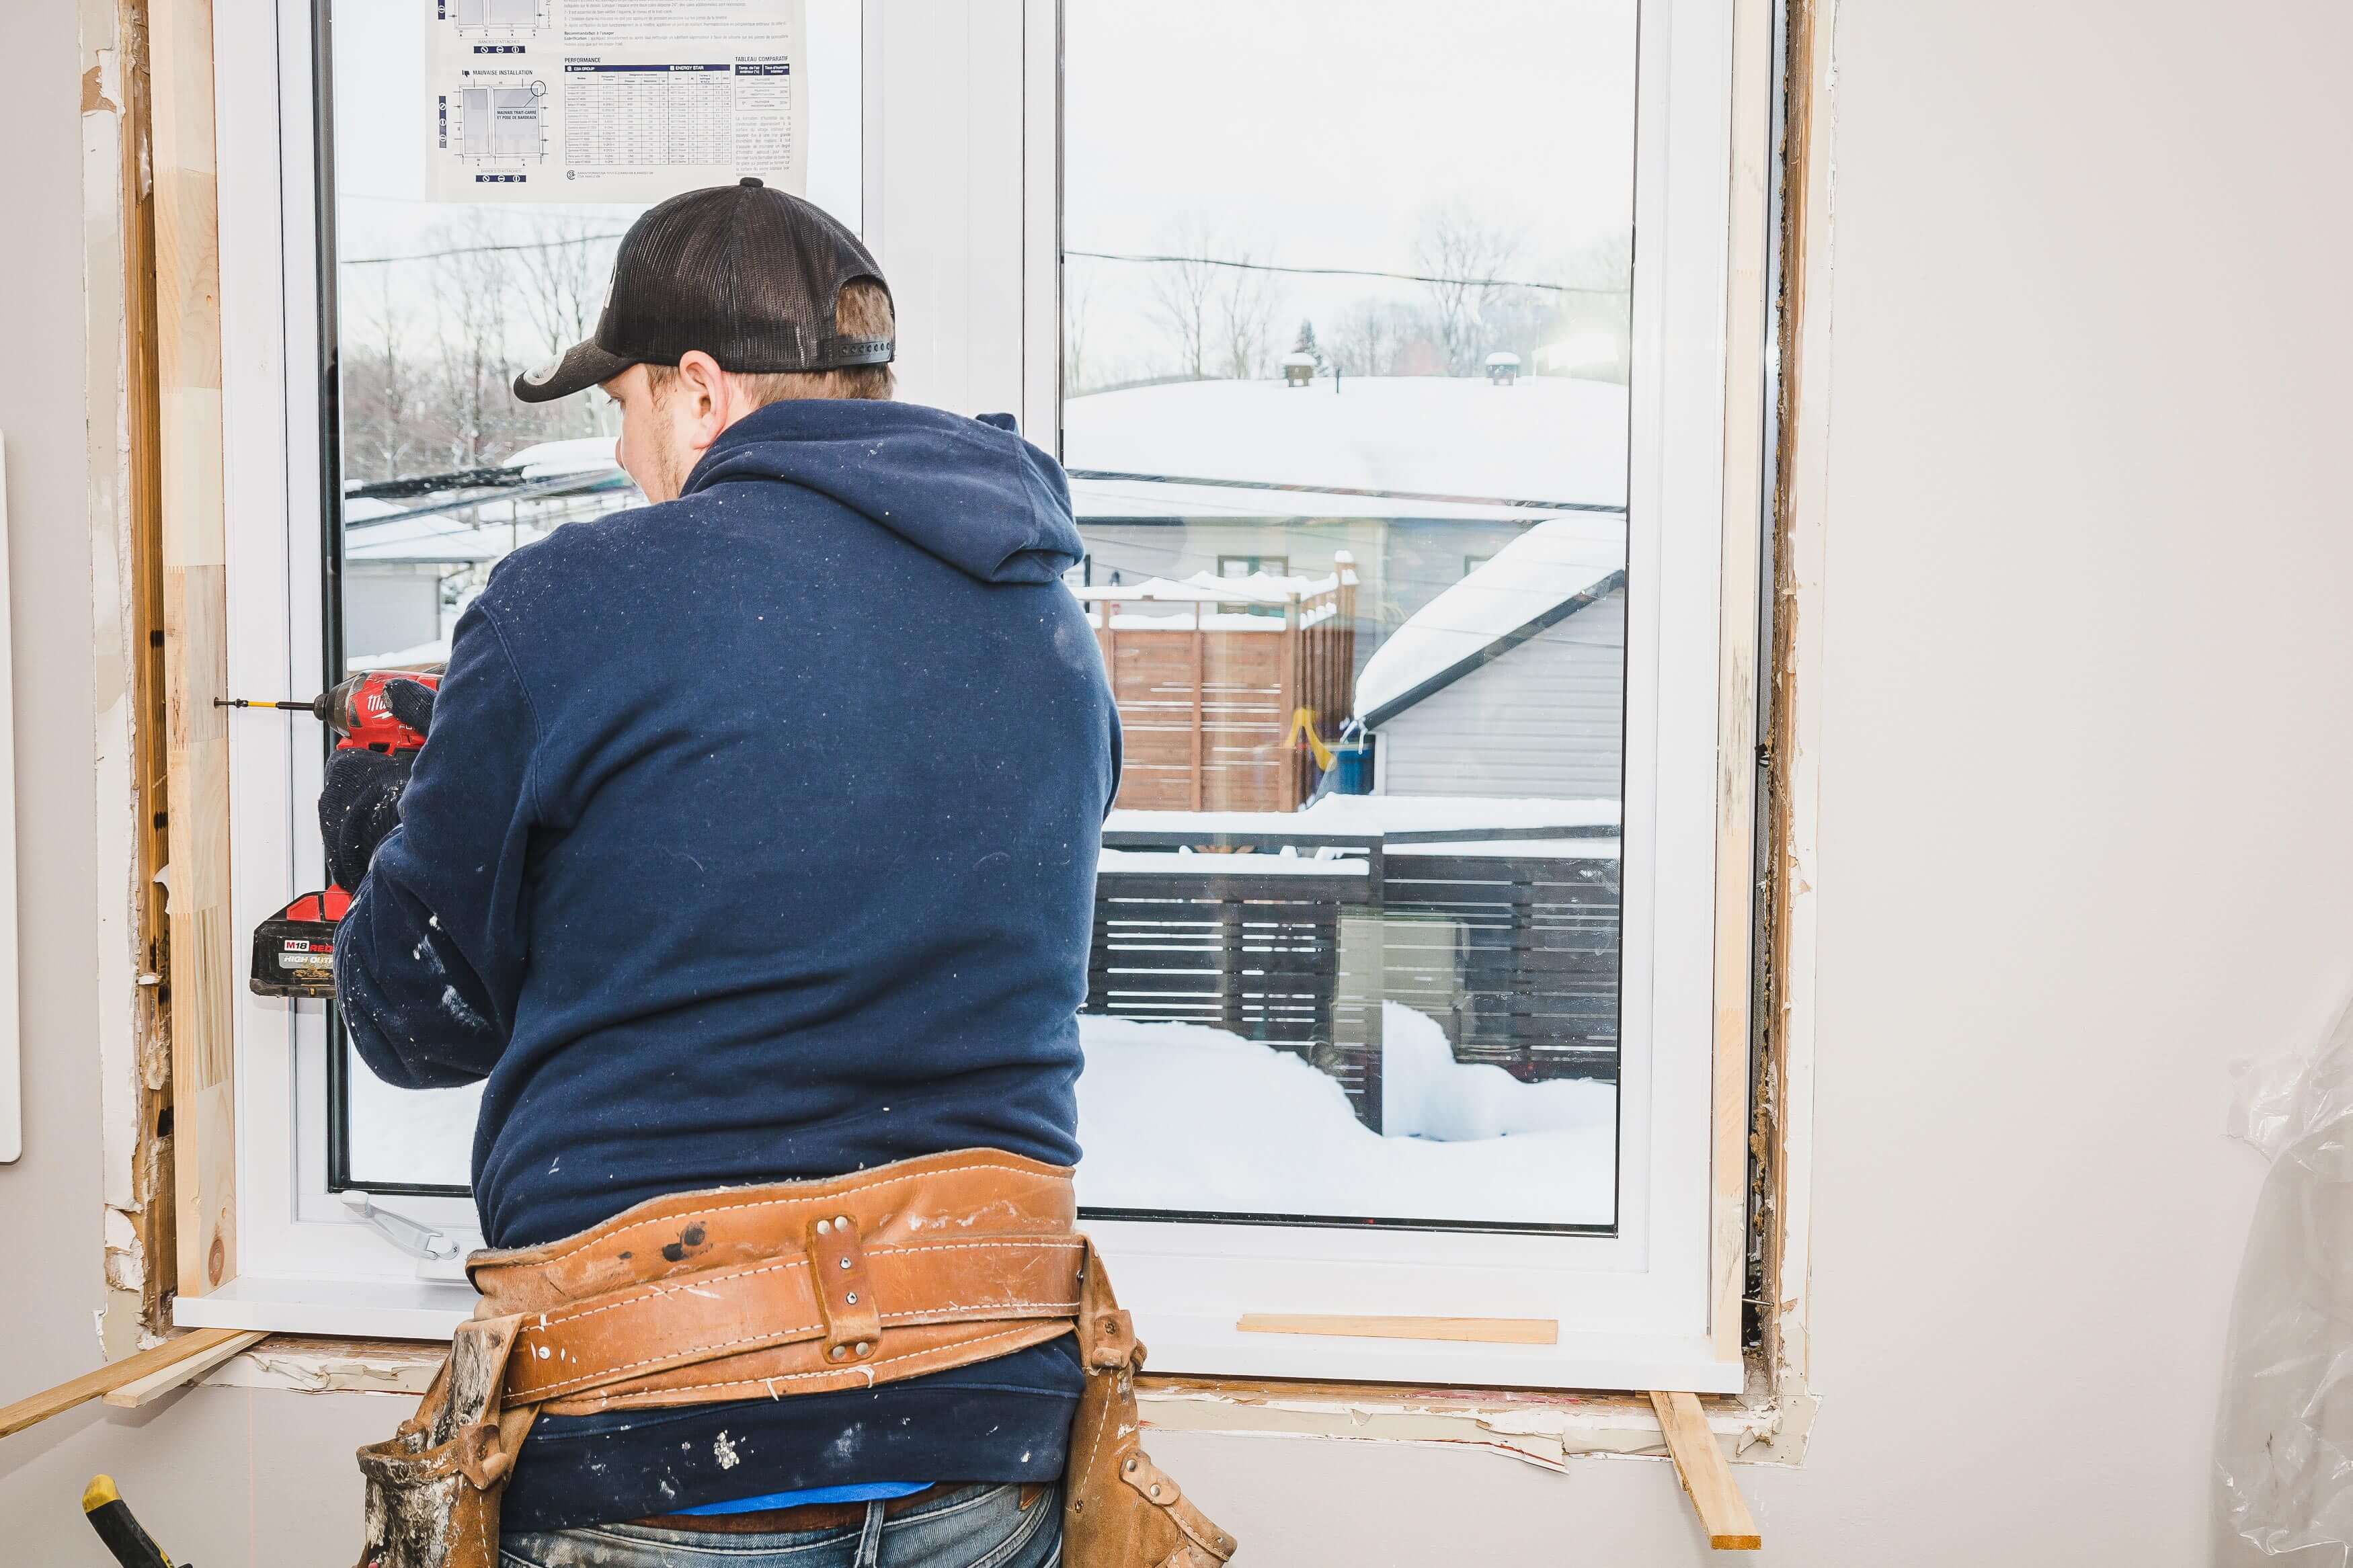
<point x="1520" y="322"/>
<point x="473" y="287"/>
<point x="1602" y="271"/>
<point x="382" y="392"/>
<point x="563" y="279"/>
<point x="1075" y="338"/>
<point x="1462" y="254"/>
<point x="1183" y="289"/>
<point x="1366" y="338"/>
<point x="1245" y="305"/>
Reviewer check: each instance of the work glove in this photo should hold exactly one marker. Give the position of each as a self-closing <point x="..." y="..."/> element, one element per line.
<point x="359" y="805"/>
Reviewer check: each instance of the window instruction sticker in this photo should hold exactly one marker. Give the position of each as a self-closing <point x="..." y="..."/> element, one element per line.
<point x="615" y="101"/>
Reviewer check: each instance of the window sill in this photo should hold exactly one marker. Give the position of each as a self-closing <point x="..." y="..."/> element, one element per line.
<point x="1545" y="1428"/>
<point x="332" y="1308"/>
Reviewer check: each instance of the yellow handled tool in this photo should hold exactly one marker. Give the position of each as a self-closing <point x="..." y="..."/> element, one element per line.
<point x="111" y="1517"/>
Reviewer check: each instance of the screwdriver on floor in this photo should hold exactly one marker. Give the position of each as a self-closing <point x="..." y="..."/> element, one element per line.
<point x="111" y="1517"/>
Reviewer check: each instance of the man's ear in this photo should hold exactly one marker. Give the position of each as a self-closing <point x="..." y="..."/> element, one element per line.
<point x="705" y="387"/>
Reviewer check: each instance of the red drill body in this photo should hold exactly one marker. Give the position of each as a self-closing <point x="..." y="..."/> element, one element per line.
<point x="294" y="950"/>
<point x="356" y="710"/>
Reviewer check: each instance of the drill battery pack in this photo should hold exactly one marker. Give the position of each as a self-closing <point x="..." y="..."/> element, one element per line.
<point x="294" y="950"/>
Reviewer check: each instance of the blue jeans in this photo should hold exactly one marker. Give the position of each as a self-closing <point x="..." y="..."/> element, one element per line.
<point x="971" y="1527"/>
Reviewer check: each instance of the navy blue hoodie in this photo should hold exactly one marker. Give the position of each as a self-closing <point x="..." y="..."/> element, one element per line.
<point x="754" y="838"/>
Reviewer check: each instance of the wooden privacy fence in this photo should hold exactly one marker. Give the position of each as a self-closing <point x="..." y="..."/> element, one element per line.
<point x="1515" y="955"/>
<point x="1221" y="683"/>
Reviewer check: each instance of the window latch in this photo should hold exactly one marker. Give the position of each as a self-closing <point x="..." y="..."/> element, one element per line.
<point x="411" y="1236"/>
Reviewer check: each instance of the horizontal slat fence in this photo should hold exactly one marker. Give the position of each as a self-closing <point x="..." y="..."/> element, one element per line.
<point x="1516" y="957"/>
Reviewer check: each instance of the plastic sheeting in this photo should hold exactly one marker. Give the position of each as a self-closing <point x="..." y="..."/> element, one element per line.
<point x="2284" y="1437"/>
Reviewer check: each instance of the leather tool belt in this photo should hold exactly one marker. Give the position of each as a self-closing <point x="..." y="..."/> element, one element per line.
<point x="764" y="1292"/>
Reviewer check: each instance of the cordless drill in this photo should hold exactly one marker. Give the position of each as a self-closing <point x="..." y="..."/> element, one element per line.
<point x="294" y="950"/>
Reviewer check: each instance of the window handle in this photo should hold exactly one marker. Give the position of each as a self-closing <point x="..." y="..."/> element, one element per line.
<point x="412" y="1237"/>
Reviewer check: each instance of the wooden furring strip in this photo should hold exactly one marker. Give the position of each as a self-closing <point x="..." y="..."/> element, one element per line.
<point x="1699" y="1463"/>
<point x="116" y="1374"/>
<point x="1473" y="1330"/>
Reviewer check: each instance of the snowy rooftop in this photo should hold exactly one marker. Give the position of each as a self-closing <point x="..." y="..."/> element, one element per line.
<point x="1546" y="440"/>
<point x="1525" y="580"/>
<point x="1208" y="587"/>
<point x="561" y="479"/>
<point x="553" y="459"/>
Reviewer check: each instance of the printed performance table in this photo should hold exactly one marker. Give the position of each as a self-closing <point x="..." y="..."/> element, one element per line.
<point x="642" y="116"/>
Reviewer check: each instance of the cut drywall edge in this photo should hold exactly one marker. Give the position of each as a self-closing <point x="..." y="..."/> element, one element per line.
<point x="1540" y="1429"/>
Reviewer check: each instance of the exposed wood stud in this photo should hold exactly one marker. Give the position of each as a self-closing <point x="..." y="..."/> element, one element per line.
<point x="194" y="625"/>
<point x="1769" y="1113"/>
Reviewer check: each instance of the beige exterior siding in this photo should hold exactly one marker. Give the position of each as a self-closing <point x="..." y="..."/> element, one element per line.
<point x="1547" y="718"/>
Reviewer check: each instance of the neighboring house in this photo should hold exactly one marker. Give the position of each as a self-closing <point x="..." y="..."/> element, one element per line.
<point x="415" y="549"/>
<point x="1512" y="682"/>
<point x="1413" y="476"/>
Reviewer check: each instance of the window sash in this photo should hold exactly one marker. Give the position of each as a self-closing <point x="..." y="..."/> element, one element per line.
<point x="973" y="135"/>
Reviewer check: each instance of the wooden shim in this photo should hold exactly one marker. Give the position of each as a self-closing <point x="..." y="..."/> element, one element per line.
<point x="1700" y="1464"/>
<point x="1480" y="1331"/>
<point x="114" y="1374"/>
<point x="180" y="1373"/>
<point x="202" y="969"/>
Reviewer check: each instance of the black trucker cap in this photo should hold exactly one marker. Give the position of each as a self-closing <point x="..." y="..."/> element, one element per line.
<point x="749" y="275"/>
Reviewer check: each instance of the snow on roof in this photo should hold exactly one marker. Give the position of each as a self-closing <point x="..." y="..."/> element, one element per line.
<point x="440" y="539"/>
<point x="1203" y="587"/>
<point x="422" y="654"/>
<point x="1547" y="440"/>
<point x="377" y="531"/>
<point x="1529" y="578"/>
<point x="1126" y="500"/>
<point x="551" y="459"/>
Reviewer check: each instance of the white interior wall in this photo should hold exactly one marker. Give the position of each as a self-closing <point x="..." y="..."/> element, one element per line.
<point x="51" y="1284"/>
<point x="2079" y="713"/>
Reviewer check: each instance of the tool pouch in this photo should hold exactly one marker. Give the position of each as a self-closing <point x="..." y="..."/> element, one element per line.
<point x="433" y="1486"/>
<point x="1119" y="1509"/>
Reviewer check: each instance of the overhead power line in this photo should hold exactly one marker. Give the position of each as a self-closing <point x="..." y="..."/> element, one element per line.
<point x="1349" y="273"/>
<point x="479" y="249"/>
<point x="1515" y="501"/>
<point x="1090" y="255"/>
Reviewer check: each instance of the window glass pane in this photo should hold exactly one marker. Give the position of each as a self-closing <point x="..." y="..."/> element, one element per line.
<point x="433" y="306"/>
<point x="1346" y="296"/>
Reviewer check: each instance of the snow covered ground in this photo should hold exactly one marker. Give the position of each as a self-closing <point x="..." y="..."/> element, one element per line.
<point x="1178" y="1115"/>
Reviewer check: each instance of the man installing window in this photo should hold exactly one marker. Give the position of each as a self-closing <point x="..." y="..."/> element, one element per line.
<point x="750" y="859"/>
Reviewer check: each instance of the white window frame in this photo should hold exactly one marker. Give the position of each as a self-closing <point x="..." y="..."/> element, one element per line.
<point x="962" y="205"/>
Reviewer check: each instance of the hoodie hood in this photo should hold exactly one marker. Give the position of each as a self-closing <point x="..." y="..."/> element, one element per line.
<point x="969" y="492"/>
